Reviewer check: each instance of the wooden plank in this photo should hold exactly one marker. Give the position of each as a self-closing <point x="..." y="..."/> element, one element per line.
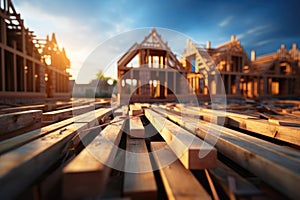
<point x="19" y="140"/>
<point x="137" y="129"/>
<point x="289" y="153"/>
<point x="21" y="167"/>
<point x="279" y="170"/>
<point x="139" y="180"/>
<point x="232" y="183"/>
<point x="86" y="175"/>
<point x="178" y="181"/>
<point x="22" y="108"/>
<point x="134" y="111"/>
<point x="285" y="122"/>
<point x="213" y="117"/>
<point x="66" y="113"/>
<point x="264" y="127"/>
<point x="185" y="145"/>
<point x="91" y="118"/>
<point x="272" y="128"/>
<point x="94" y="116"/>
<point x="13" y="124"/>
<point x="296" y="112"/>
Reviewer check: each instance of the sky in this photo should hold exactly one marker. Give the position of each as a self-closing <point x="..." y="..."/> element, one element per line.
<point x="89" y="29"/>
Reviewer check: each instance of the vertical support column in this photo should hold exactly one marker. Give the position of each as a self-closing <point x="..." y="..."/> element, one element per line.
<point x="197" y="85"/>
<point x="3" y="68"/>
<point x="34" y="83"/>
<point x="229" y="87"/>
<point x="166" y="83"/>
<point x="23" y="38"/>
<point x="131" y="81"/>
<point x="252" y="87"/>
<point x="258" y="86"/>
<point x="152" y="62"/>
<point x="42" y="78"/>
<point x="24" y="75"/>
<point x="237" y="84"/>
<point x="194" y="84"/>
<point x="167" y="60"/>
<point x="174" y="83"/>
<point x="15" y="66"/>
<point x="3" y="32"/>
<point x="265" y="83"/>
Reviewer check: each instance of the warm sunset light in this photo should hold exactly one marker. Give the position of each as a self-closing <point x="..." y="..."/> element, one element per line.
<point x="173" y="99"/>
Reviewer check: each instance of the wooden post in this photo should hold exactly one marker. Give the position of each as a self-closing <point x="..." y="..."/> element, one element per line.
<point x="33" y="72"/>
<point x="265" y="84"/>
<point x="166" y="83"/>
<point x="237" y="84"/>
<point x="15" y="81"/>
<point x="174" y="83"/>
<point x="3" y="68"/>
<point x="23" y="38"/>
<point x="229" y="87"/>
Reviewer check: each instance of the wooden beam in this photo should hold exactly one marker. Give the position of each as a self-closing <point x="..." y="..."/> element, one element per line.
<point x="139" y="180"/>
<point x="137" y="129"/>
<point x="266" y="128"/>
<point x="134" y="111"/>
<point x="279" y="129"/>
<point x="91" y="119"/>
<point x="274" y="164"/>
<point x="94" y="116"/>
<point x="21" y="167"/>
<point x="19" y="140"/>
<point x="187" y="147"/>
<point x="178" y="181"/>
<point x="232" y="183"/>
<point x="66" y="113"/>
<point x="87" y="174"/>
<point x="22" y="108"/>
<point x="13" y="124"/>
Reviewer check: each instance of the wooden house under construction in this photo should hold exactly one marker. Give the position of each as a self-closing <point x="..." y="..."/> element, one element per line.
<point x="151" y="72"/>
<point x="32" y="69"/>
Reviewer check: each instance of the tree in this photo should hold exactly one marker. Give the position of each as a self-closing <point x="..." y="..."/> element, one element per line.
<point x="100" y="76"/>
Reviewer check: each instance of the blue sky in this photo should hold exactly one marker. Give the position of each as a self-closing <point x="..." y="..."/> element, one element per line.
<point x="80" y="26"/>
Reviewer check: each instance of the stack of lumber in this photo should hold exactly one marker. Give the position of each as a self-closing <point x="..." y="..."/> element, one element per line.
<point x="58" y="115"/>
<point x="16" y="123"/>
<point x="25" y="158"/>
<point x="253" y="154"/>
<point x="275" y="127"/>
<point x="195" y="153"/>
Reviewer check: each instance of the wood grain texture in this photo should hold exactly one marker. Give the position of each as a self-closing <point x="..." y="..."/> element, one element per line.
<point x="22" y="166"/>
<point x="13" y="124"/>
<point x="193" y="152"/>
<point x="139" y="180"/>
<point x="87" y="174"/>
<point x="277" y="166"/>
<point x="178" y="181"/>
<point x="137" y="129"/>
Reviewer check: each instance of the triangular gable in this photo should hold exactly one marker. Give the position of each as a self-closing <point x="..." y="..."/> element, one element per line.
<point x="154" y="40"/>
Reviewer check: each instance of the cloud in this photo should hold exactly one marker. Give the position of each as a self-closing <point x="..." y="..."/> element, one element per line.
<point x="258" y="30"/>
<point x="263" y="42"/>
<point x="79" y="37"/>
<point x="226" y="21"/>
<point x="254" y="32"/>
